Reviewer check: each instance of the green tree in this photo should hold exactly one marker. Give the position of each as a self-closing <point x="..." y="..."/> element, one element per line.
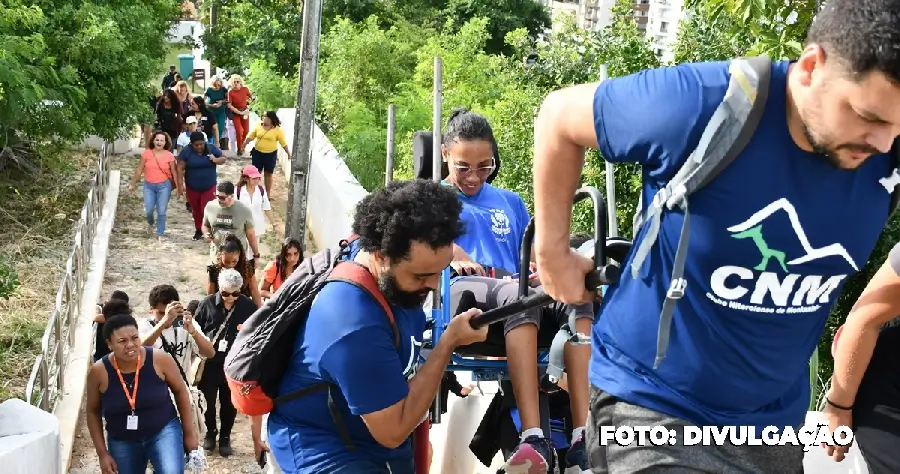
<point x="74" y="68"/>
<point x="245" y="31"/>
<point x="777" y="27"/>
<point x="503" y="16"/>
<point x="707" y="36"/>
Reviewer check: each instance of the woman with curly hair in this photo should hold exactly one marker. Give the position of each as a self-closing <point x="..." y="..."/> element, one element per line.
<point x="232" y="255"/>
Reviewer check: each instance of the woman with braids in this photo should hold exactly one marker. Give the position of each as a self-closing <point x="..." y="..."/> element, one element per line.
<point x="277" y="271"/>
<point x="232" y="256"/>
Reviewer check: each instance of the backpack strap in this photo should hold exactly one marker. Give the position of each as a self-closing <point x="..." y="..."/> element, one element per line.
<point x="726" y="135"/>
<point x="359" y="276"/>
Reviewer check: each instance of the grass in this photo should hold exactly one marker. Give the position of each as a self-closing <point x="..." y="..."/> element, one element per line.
<point x="38" y="212"/>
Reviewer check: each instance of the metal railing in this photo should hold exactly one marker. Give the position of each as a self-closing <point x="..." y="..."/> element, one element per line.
<point x="48" y="374"/>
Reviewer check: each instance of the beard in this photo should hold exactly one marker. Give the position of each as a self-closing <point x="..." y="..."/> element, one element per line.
<point x="829" y="152"/>
<point x="387" y="283"/>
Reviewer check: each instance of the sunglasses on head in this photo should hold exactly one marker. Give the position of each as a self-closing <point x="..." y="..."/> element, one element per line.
<point x="233" y="294"/>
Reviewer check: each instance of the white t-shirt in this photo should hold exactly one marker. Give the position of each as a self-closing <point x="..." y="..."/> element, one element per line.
<point x="185" y="347"/>
<point x="258" y="203"/>
<point x="185" y="139"/>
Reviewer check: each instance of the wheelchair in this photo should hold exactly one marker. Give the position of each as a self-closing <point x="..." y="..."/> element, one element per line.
<point x="551" y="338"/>
<point x="607" y="255"/>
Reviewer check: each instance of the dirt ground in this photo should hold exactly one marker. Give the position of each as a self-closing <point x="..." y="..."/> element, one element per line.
<point x="137" y="263"/>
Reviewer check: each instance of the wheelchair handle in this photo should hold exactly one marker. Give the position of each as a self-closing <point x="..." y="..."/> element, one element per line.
<point x="603" y="274"/>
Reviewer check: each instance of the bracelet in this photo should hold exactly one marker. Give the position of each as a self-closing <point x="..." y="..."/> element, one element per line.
<point x="839" y="407"/>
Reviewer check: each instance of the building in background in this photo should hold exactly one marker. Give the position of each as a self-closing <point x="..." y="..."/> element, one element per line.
<point x="658" y="19"/>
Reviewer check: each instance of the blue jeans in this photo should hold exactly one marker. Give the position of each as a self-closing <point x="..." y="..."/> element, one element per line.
<point x="369" y="467"/>
<point x="164" y="451"/>
<point x="156" y="197"/>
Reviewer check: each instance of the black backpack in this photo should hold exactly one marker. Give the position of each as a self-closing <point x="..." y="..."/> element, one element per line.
<point x="261" y="352"/>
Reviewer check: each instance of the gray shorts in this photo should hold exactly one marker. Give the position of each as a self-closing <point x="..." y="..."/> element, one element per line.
<point x="492" y="293"/>
<point x="607" y="410"/>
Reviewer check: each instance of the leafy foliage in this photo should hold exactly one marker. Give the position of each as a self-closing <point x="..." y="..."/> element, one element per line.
<point x="270" y="29"/>
<point x="74" y="68"/>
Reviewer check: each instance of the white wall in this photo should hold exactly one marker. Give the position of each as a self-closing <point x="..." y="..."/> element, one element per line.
<point x="29" y="439"/>
<point x="333" y="190"/>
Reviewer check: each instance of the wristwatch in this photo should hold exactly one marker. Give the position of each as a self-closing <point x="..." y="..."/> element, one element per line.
<point x="256" y="255"/>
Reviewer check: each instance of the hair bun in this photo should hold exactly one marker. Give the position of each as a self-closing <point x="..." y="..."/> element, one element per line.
<point x="456" y="112"/>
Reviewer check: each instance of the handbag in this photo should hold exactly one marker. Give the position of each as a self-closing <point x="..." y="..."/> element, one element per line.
<point x="199" y="366"/>
<point x="198" y="400"/>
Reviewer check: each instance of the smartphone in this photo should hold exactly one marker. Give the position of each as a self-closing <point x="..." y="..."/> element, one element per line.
<point x="262" y="459"/>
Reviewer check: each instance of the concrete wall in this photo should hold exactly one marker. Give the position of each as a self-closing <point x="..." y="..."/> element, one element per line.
<point x="333" y="190"/>
<point x="29" y="439"/>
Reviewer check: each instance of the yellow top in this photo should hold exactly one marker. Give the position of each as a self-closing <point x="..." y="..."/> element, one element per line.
<point x="267" y="141"/>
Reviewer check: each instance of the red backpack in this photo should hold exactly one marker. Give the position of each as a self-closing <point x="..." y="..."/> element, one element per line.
<point x="262" y="350"/>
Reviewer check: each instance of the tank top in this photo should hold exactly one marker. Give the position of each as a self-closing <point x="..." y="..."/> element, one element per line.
<point x="153" y="405"/>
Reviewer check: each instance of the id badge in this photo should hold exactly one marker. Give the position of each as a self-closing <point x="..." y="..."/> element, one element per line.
<point x="131" y="423"/>
<point x="223" y="346"/>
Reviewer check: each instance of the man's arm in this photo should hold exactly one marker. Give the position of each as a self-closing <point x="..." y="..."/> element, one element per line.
<point x="251" y="234"/>
<point x="367" y="358"/>
<point x="878" y="304"/>
<point x="203" y="344"/>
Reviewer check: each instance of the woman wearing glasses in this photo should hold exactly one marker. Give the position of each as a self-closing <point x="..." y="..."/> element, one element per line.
<point x="495" y="221"/>
<point x="220" y="315"/>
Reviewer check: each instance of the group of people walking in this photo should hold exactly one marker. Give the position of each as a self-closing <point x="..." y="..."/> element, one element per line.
<point x="184" y="149"/>
<point x="158" y="376"/>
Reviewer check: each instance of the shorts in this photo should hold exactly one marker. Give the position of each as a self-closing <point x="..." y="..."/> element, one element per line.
<point x="264" y="162"/>
<point x="492" y="293"/>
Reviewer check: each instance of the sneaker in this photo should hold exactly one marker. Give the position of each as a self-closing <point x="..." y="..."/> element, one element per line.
<point x="535" y="455"/>
<point x="576" y="458"/>
<point x="210" y="442"/>
<point x="197" y="235"/>
<point x="225" y="447"/>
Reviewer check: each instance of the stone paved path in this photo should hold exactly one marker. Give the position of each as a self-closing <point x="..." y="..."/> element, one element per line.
<point x="137" y="263"/>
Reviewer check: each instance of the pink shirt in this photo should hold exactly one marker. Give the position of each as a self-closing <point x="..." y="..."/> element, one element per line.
<point x="157" y="168"/>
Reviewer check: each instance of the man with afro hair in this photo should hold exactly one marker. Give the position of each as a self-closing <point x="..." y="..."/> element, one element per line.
<point x="406" y="231"/>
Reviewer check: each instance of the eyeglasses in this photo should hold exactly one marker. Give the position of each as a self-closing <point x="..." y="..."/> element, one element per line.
<point x="233" y="294"/>
<point x="221" y="197"/>
<point x="482" y="172"/>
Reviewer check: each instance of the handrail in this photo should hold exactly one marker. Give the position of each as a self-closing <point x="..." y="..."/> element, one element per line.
<point x="48" y="373"/>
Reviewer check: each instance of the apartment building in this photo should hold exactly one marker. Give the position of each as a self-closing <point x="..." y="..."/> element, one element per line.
<point x="658" y="19"/>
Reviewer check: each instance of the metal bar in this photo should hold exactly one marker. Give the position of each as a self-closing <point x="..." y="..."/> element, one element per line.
<point x="391" y="124"/>
<point x="612" y="225"/>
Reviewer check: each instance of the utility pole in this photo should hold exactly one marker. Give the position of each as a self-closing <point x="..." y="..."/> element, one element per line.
<point x="213" y="19"/>
<point x="303" y="121"/>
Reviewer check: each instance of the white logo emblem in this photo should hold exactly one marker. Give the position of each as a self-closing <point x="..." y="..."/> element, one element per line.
<point x="787" y="292"/>
<point x="499" y="222"/>
<point x="891" y="181"/>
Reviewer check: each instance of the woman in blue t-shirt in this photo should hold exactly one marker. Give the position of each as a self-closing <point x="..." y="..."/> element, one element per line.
<point x="495" y="221"/>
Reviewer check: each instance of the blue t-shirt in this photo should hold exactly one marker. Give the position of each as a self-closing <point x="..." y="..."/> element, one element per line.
<point x="200" y="172"/>
<point x="495" y="222"/>
<point x="347" y="341"/>
<point x="773" y="240"/>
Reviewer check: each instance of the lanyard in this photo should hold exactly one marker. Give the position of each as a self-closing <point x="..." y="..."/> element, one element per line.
<point x="137" y="373"/>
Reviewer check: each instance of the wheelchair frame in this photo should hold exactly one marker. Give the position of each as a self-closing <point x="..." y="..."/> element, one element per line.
<point x="497" y="370"/>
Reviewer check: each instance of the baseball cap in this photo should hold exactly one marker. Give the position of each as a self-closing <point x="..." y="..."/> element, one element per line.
<point x="190" y="119"/>
<point x="250" y="171"/>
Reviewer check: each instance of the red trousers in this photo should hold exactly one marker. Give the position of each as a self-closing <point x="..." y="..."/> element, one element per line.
<point x="198" y="200"/>
<point x="241" y="129"/>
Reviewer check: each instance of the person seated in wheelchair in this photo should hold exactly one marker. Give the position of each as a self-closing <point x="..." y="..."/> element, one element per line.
<point x="495" y="221"/>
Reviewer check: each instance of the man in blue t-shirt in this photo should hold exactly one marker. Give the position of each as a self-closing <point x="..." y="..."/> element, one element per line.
<point x="406" y="231"/>
<point x="773" y="238"/>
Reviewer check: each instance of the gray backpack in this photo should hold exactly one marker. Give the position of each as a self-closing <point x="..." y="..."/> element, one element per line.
<point x="724" y="138"/>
